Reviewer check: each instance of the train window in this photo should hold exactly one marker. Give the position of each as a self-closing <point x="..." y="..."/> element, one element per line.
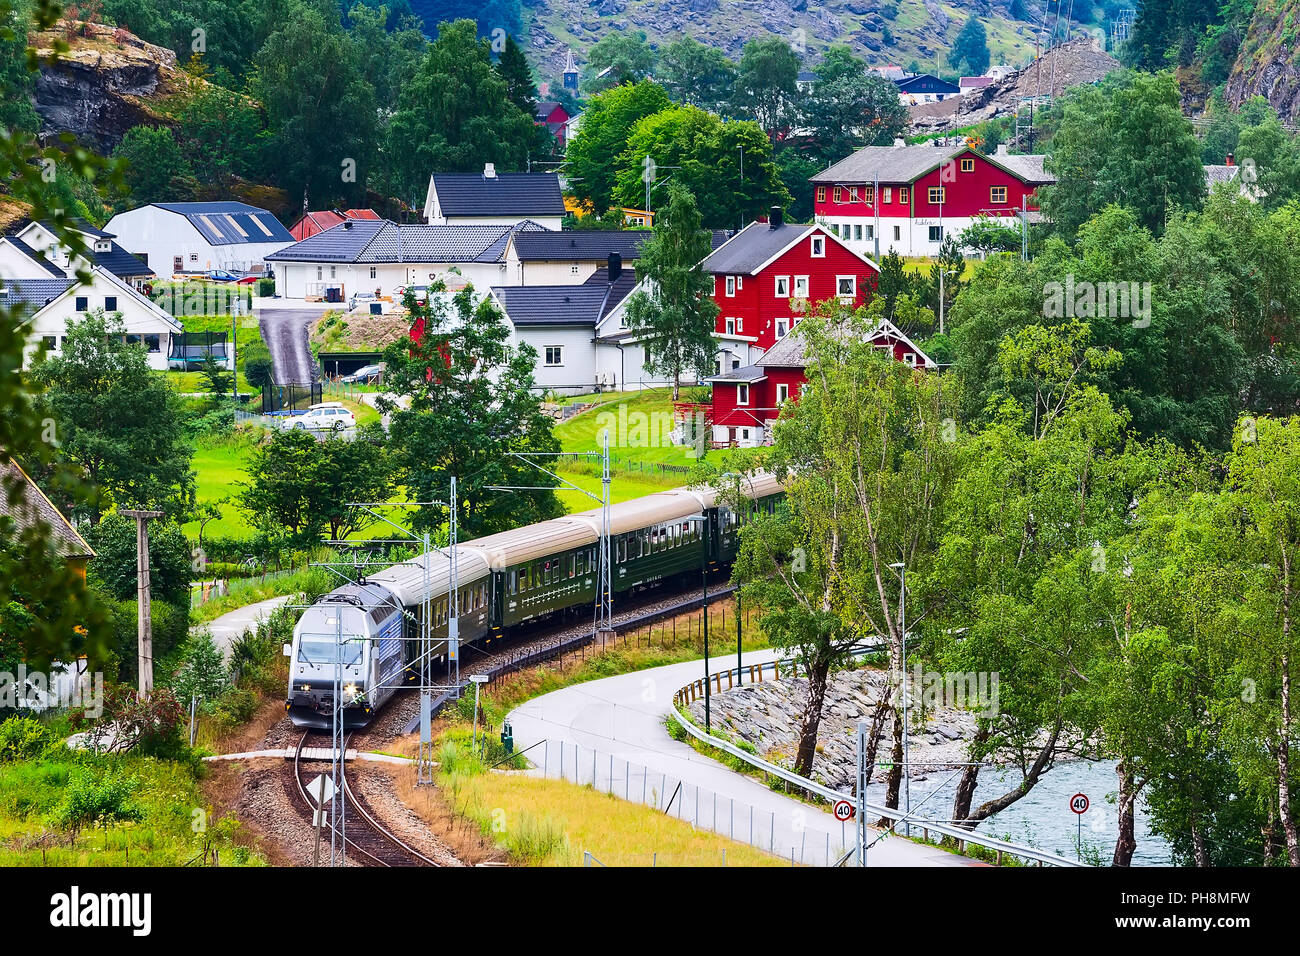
<point x="622" y="550"/>
<point x="572" y="562"/>
<point x="512" y="587"/>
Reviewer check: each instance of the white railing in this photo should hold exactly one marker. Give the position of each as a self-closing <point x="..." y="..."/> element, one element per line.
<point x="694" y="690"/>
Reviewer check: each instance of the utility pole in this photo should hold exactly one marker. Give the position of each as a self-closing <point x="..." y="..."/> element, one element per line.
<point x="144" y="628"/>
<point x="902" y="615"/>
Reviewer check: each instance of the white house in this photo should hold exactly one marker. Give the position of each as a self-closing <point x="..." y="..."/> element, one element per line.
<point x="193" y="237"/>
<point x="490" y="198"/>
<point x="542" y="257"/>
<point x="381" y="256"/>
<point x="37" y="241"/>
<point x="53" y="304"/>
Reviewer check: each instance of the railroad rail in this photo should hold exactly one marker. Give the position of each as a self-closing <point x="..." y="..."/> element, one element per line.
<point x="368" y="839"/>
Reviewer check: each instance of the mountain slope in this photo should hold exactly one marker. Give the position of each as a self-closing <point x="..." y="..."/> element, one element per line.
<point x="1268" y="63"/>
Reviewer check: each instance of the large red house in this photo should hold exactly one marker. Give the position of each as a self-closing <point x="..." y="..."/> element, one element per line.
<point x="769" y="274"/>
<point x="746" y="401"/>
<point x="554" y="117"/>
<point x="917" y="195"/>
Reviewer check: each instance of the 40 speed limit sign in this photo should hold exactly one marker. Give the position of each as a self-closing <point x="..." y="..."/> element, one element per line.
<point x="1079" y="803"/>
<point x="843" y="810"/>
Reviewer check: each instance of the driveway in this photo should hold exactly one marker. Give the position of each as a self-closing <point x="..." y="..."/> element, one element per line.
<point x="285" y="334"/>
<point x="618" y="726"/>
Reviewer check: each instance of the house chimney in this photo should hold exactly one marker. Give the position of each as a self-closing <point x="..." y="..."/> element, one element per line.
<point x="776" y="218"/>
<point x="615" y="267"/>
<point x="489" y="170"/>
<point x="1230" y="160"/>
<point x="1002" y="149"/>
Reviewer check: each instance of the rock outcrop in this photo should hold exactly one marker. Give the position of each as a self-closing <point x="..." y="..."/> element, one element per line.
<point x="1268" y="63"/>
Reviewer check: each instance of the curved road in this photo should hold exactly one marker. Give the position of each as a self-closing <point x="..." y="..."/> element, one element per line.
<point x="624" y="717"/>
<point x="285" y="334"/>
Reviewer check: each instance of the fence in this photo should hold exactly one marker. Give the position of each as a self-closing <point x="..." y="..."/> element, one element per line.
<point x="780" y="834"/>
<point x="293" y="396"/>
<point x="573" y="461"/>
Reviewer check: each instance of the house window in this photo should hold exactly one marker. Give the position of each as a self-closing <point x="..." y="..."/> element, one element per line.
<point x="869" y="194"/>
<point x="177" y="263"/>
<point x="818" y="247"/>
<point x="782" y="393"/>
<point x="783" y="287"/>
<point x="889" y="194"/>
<point x="319" y="273"/>
<point x="898" y="233"/>
<point x="846" y="286"/>
<point x="902" y="194"/>
<point x="554" y="355"/>
<point x="374" y="273"/>
<point x="731" y="326"/>
<point x="744" y="434"/>
<point x="997" y="194"/>
<point x="839" y="193"/>
<point x="740" y="324"/>
<point x="50" y="342"/>
<point x="909" y="358"/>
<point x="742" y="394"/>
<point x="110" y="303"/>
<point x="731" y="285"/>
<point x="821" y="193"/>
<point x="853" y="194"/>
<point x="935" y="194"/>
<point x="574" y="269"/>
<point x="194" y="257"/>
<point x="936" y="233"/>
<point x="782" y="328"/>
<point x="801" y="287"/>
<point x="857" y="232"/>
<point x="968" y="165"/>
<point x="735" y="364"/>
<point x="152" y="343"/>
<point x="83" y="303"/>
<point x="333" y="272"/>
<point x="869" y="230"/>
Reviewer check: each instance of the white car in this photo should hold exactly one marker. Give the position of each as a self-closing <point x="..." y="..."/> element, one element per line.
<point x="325" y="417"/>
<point x="362" y="300"/>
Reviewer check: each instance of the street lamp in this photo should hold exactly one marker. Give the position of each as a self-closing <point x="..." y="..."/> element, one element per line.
<point x="907" y="780"/>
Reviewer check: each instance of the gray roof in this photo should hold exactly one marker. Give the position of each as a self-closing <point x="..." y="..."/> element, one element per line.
<point x="30" y="507"/>
<point x="750" y="373"/>
<point x="1220" y="174"/>
<point x="888" y="164"/>
<point x="229" y="223"/>
<point x="584" y="304"/>
<point x="752" y="246"/>
<point x="788" y="352"/>
<point x="385" y="241"/>
<point x="580" y="245"/>
<point x="34" y="292"/>
<point x="120" y="262"/>
<point x="1028" y="167"/>
<point x="505" y="194"/>
<point x="36" y="257"/>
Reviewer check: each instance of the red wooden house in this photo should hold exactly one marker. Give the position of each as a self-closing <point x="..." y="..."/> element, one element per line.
<point x="917" y="195"/>
<point x="746" y="401"/>
<point x="555" y="118"/>
<point x="769" y="274"/>
<point x="312" y="223"/>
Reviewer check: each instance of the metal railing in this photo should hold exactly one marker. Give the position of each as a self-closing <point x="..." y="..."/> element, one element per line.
<point x="692" y="691"/>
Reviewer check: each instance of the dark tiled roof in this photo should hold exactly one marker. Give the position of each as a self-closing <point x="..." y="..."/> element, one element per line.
<point x="27" y="505"/>
<point x="83" y="227"/>
<point x="584" y="304"/>
<point x="753" y="246"/>
<point x="230" y="223"/>
<point x="121" y="263"/>
<point x="385" y="241"/>
<point x="750" y="373"/>
<point x="505" y="194"/>
<point x="582" y="245"/>
<point x="36" y="257"/>
<point x="889" y="164"/>
<point x="33" y="292"/>
<point x="925" y="79"/>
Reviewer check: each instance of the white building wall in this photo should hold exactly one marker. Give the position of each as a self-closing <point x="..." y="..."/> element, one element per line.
<point x="576" y="372"/>
<point x="160" y="236"/>
<point x="297" y="280"/>
<point x="139" y="317"/>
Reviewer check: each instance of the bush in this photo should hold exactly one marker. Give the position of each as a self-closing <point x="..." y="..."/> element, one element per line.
<point x="265" y="287"/>
<point x="202" y="671"/>
<point x="22" y="738"/>
<point x="92" y="799"/>
<point x="259" y="368"/>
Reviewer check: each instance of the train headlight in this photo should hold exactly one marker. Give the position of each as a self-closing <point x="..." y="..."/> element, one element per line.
<point x="351" y="691"/>
<point x="305" y="687"/>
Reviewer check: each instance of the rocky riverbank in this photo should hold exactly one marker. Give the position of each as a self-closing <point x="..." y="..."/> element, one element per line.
<point x="767" y="715"/>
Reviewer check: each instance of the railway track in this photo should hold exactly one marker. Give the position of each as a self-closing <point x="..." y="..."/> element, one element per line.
<point x="367" y="840"/>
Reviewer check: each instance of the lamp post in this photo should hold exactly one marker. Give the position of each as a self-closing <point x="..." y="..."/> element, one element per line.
<point x="907" y="780"/>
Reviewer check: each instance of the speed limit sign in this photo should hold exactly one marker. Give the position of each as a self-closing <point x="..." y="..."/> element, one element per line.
<point x="1079" y="803"/>
<point x="843" y="810"/>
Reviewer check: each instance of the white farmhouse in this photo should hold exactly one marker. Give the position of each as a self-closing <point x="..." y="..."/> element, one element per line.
<point x="494" y="199"/>
<point x="37" y="240"/>
<point x="194" y="237"/>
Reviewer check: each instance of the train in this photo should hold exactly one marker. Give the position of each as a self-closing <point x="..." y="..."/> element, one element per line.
<point x="505" y="581"/>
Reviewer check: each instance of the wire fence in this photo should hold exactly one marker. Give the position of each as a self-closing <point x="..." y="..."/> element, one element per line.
<point x="782" y="834"/>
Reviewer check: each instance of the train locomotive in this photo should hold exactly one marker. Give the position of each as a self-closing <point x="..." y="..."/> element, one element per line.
<point x="370" y="630"/>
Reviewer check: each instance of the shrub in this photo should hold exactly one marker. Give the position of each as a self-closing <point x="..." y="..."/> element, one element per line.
<point x="22" y="738"/>
<point x="91" y="799"/>
<point x="202" y="671"/>
<point x="265" y="287"/>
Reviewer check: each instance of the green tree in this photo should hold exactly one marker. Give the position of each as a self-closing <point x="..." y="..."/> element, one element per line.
<point x="156" y="168"/>
<point x="218" y="131"/>
<point x="607" y="123"/>
<point x="113" y="569"/>
<point x="765" y="83"/>
<point x="514" y="69"/>
<point x="971" y="48"/>
<point x="473" y="403"/>
<point x="617" y="59"/>
<point x="695" y="74"/>
<point x="116" y="420"/>
<point x="676" y="316"/>
<point x="455" y="115"/>
<point x="989" y="234"/>
<point x="849" y="108"/>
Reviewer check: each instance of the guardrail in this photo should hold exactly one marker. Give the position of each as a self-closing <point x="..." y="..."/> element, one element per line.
<point x="695" y="690"/>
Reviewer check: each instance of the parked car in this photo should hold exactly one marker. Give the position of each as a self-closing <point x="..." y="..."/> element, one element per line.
<point x="421" y="293"/>
<point x="327" y="416"/>
<point x="364" y="375"/>
<point x="220" y="275"/>
<point x="361" y="300"/>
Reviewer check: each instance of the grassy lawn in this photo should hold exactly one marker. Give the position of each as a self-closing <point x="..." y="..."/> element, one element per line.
<point x="219" y="465"/>
<point x="922" y="265"/>
<point x="638" y="435"/>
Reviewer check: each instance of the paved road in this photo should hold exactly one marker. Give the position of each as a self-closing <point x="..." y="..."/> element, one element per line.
<point x="624" y="717"/>
<point x="228" y="626"/>
<point x="285" y="334"/>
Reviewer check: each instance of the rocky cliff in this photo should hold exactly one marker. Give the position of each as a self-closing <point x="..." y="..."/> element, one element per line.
<point x="109" y="81"/>
<point x="1268" y="63"/>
